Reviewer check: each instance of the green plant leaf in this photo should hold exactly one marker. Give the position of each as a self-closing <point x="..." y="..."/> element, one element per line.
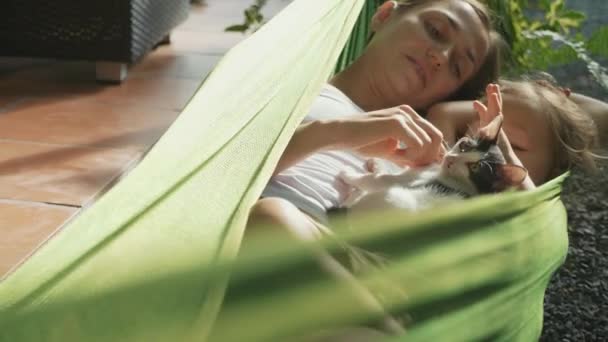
<point x="573" y="15"/>
<point x="555" y="7"/>
<point x="545" y="3"/>
<point x="237" y="28"/>
<point x="599" y="73"/>
<point x="598" y="42"/>
<point x="571" y="19"/>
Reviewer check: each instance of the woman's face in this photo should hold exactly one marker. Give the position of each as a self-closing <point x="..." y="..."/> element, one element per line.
<point x="422" y="55"/>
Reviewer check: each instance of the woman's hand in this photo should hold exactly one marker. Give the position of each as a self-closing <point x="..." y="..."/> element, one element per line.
<point x="379" y="133"/>
<point x="486" y="115"/>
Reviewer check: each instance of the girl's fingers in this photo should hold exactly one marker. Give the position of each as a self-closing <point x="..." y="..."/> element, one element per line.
<point x="480" y="107"/>
<point x="493" y="104"/>
<point x="496" y="105"/>
<point x="482" y="110"/>
<point x="499" y="94"/>
<point x="494" y="99"/>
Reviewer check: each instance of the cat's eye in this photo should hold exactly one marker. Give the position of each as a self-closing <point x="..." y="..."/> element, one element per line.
<point x="465" y="146"/>
<point x="474" y="167"/>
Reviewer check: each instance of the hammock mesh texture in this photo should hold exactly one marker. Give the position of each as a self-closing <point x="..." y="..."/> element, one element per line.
<point x="151" y="260"/>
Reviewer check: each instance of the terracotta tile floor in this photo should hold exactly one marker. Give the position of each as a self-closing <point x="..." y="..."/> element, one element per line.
<point x="65" y="139"/>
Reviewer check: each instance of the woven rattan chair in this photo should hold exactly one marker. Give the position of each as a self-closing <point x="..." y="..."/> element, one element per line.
<point x="112" y="33"/>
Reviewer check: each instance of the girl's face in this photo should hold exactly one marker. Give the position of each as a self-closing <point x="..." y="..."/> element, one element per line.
<point x="422" y="55"/>
<point x="530" y="136"/>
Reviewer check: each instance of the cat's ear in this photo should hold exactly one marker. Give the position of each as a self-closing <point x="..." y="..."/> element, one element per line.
<point x="490" y="131"/>
<point x="508" y="176"/>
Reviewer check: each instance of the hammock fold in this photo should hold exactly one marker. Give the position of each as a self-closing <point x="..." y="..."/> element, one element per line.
<point x="150" y="261"/>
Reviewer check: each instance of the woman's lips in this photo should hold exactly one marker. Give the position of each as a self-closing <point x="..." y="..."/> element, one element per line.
<point x="419" y="70"/>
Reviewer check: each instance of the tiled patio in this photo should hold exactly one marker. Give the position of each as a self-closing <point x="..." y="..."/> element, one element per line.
<point x="65" y="139"/>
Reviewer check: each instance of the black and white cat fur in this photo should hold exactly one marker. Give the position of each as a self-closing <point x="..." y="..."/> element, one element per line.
<point x="473" y="166"/>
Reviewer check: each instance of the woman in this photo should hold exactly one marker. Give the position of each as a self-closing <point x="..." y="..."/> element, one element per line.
<point x="422" y="52"/>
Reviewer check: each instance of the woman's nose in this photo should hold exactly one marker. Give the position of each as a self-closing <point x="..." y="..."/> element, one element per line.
<point x="438" y="56"/>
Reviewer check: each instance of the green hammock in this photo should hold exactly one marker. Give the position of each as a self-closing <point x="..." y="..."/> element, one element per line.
<point x="149" y="261"/>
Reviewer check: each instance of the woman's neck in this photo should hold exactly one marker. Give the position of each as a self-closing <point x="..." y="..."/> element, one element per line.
<point x="356" y="83"/>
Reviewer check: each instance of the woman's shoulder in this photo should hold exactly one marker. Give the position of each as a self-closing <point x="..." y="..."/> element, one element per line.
<point x="332" y="103"/>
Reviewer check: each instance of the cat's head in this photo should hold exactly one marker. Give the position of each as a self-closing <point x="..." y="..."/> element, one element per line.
<point x="476" y="165"/>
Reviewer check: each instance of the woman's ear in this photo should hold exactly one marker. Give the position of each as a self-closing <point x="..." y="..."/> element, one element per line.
<point x="382" y="14"/>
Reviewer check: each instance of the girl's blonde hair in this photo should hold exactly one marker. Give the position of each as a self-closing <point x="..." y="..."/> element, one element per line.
<point x="489" y="70"/>
<point x="574" y="132"/>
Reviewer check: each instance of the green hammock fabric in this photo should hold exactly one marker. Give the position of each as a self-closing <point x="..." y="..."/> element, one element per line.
<point x="359" y="35"/>
<point x="148" y="262"/>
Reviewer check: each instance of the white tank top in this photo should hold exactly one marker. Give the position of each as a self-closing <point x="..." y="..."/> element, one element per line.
<point x="312" y="184"/>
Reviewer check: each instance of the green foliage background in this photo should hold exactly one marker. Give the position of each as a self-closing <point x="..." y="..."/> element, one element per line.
<point x="547" y="34"/>
<point x="541" y="34"/>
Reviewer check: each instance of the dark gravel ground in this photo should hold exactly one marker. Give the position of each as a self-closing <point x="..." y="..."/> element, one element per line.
<point x="576" y="302"/>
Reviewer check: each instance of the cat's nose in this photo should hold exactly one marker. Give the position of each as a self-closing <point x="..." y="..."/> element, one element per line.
<point x="449" y="161"/>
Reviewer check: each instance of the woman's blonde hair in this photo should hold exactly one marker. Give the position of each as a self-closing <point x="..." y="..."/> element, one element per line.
<point x="574" y="132"/>
<point x="489" y="70"/>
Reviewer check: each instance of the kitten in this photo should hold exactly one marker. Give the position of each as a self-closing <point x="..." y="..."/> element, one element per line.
<point x="473" y="166"/>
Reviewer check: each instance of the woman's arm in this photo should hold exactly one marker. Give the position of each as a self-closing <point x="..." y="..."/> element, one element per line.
<point x="376" y="134"/>
<point x="307" y="139"/>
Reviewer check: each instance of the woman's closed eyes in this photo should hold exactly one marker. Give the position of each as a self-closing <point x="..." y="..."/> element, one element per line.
<point x="435" y="32"/>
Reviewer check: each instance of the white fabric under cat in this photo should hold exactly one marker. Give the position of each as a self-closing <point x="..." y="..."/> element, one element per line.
<point x="312" y="184"/>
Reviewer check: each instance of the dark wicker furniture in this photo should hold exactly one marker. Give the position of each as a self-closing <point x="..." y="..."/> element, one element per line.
<point x="112" y="33"/>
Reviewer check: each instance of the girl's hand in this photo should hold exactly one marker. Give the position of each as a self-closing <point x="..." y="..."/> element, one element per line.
<point x="379" y="135"/>
<point x="486" y="115"/>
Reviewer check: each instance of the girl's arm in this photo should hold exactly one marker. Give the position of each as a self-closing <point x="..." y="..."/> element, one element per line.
<point x="453" y="118"/>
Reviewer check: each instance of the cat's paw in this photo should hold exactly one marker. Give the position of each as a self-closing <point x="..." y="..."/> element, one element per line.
<point x="352" y="197"/>
<point x="349" y="177"/>
<point x="373" y="165"/>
